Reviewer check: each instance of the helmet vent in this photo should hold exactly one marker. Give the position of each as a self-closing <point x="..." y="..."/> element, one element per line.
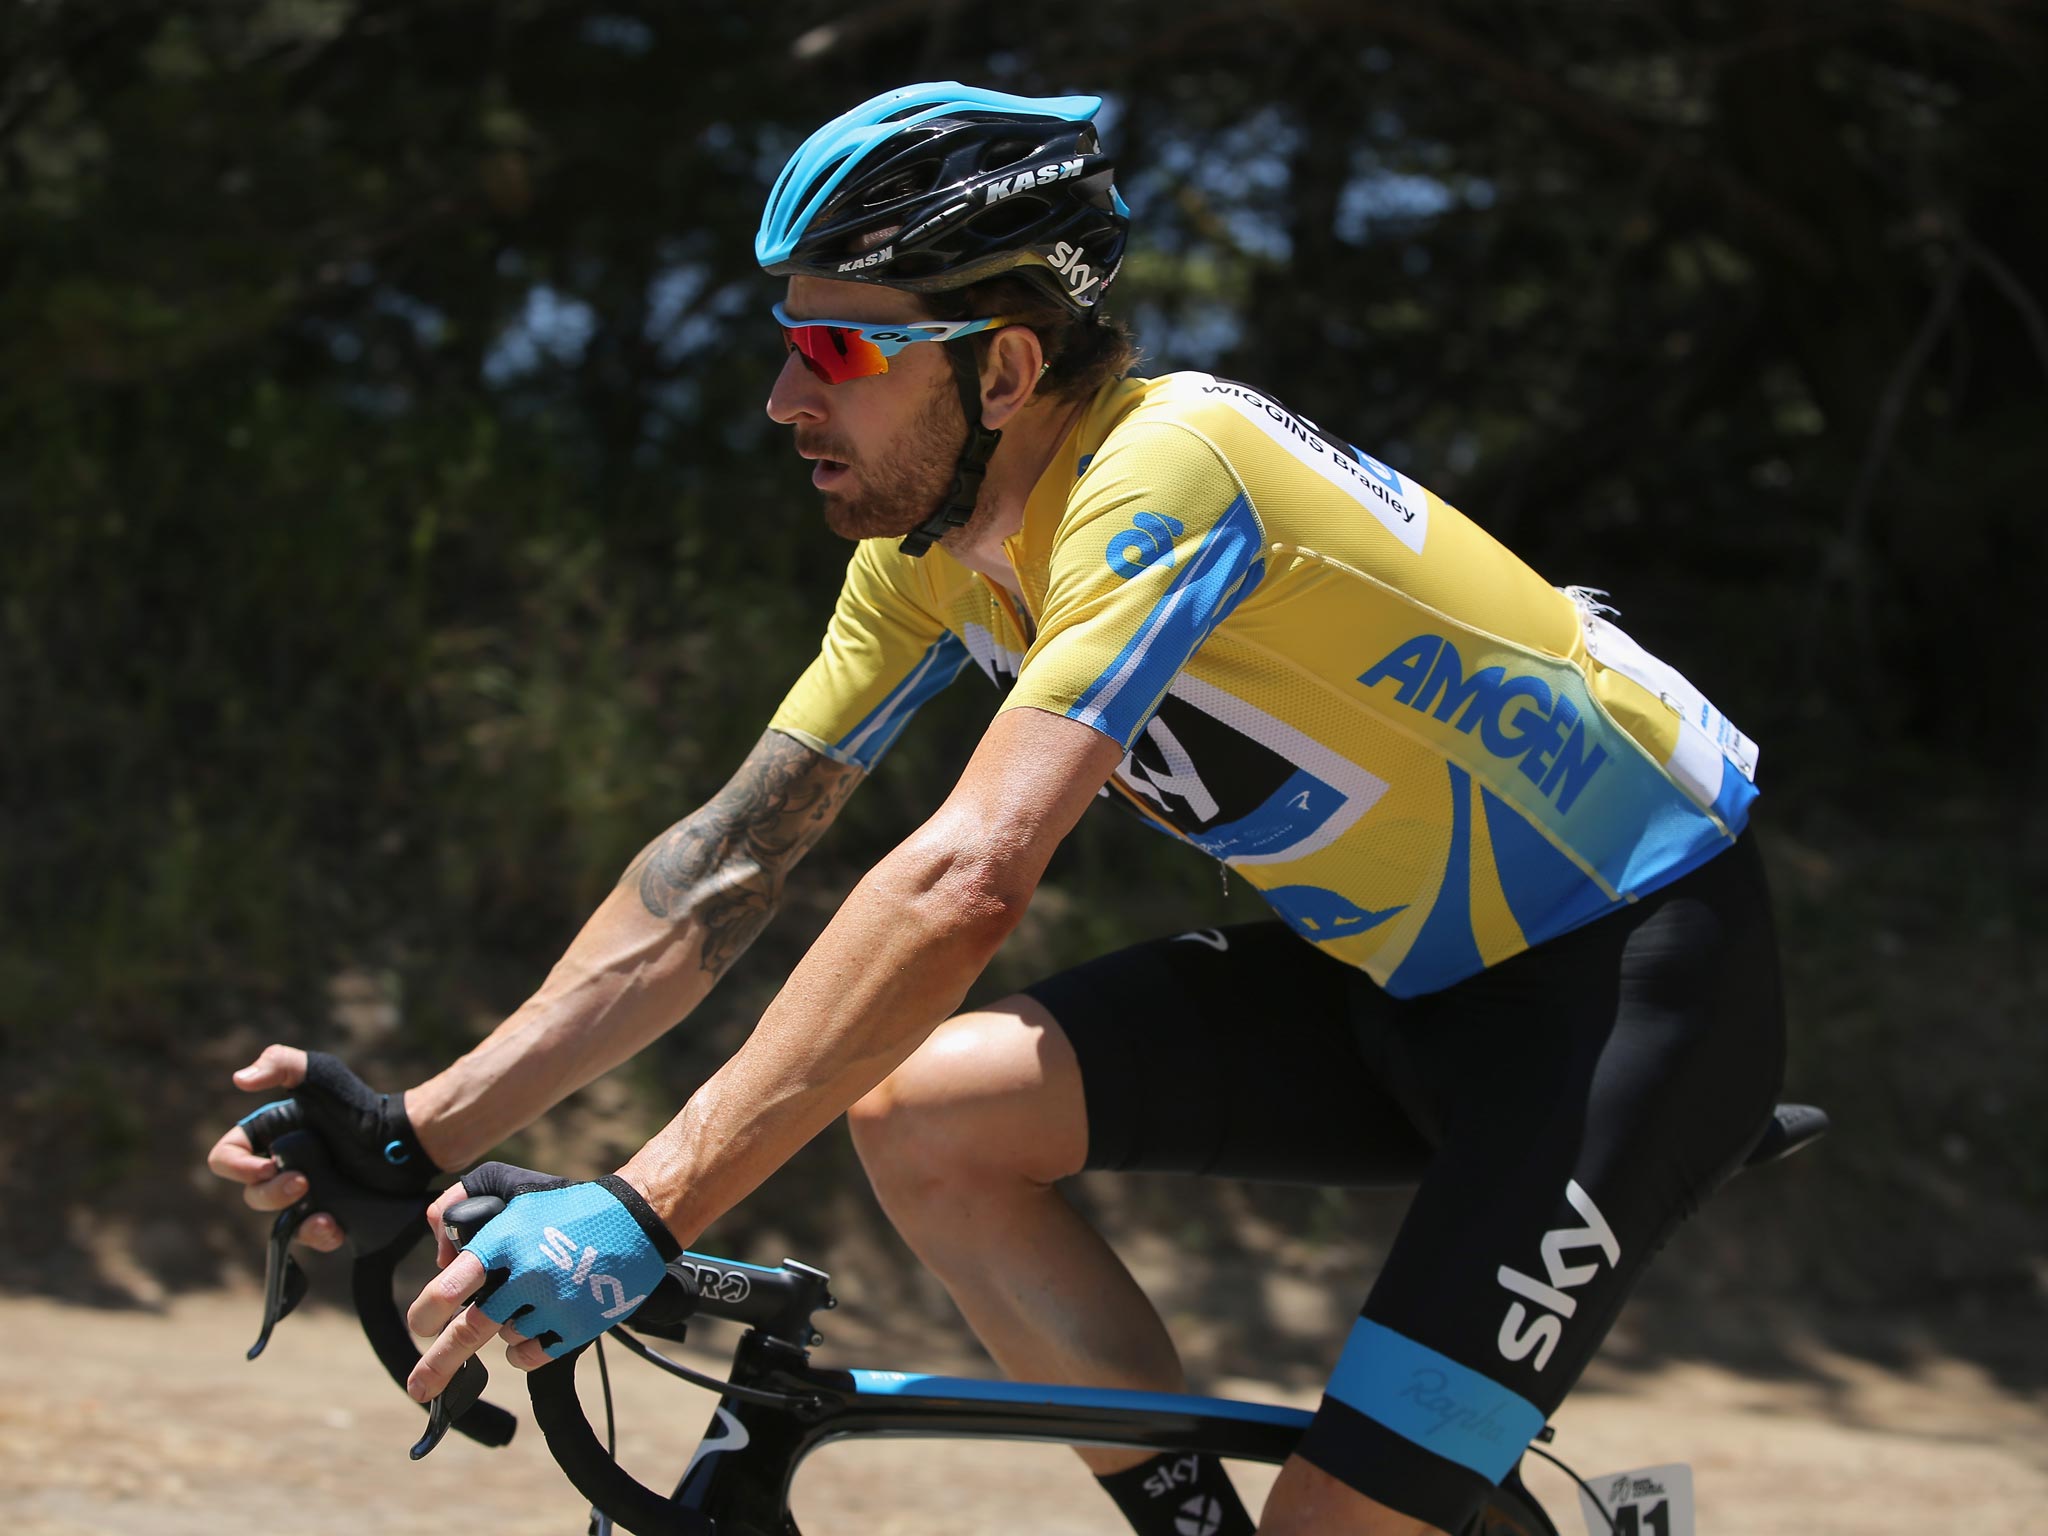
<point x="1007" y="152"/>
<point x="1012" y="216"/>
<point x="911" y="181"/>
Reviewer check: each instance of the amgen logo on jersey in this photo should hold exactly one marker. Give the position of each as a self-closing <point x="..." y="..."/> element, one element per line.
<point x="1545" y="737"/>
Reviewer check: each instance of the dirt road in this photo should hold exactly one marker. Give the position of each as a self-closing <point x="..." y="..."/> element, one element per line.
<point x="150" y="1424"/>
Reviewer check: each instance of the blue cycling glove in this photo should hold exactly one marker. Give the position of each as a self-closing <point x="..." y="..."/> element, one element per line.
<point x="562" y="1261"/>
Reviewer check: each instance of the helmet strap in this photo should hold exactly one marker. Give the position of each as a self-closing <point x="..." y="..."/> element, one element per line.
<point x="957" y="506"/>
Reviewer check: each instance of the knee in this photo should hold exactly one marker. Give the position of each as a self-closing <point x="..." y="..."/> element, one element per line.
<point x="986" y="1096"/>
<point x="883" y="1121"/>
<point x="915" y="1119"/>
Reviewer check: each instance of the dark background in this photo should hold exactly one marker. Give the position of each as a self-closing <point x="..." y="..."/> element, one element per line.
<point x="393" y="540"/>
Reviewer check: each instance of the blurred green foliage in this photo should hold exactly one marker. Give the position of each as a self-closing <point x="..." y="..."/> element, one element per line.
<point x="393" y="540"/>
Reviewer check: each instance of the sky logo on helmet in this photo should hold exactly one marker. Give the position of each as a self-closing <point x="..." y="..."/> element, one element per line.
<point x="1070" y="261"/>
<point x="872" y="259"/>
<point x="1023" y="181"/>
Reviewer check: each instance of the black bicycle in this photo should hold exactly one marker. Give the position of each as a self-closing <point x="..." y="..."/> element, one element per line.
<point x="775" y="1406"/>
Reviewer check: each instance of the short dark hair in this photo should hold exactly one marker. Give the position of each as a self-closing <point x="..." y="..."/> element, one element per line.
<point x="1082" y="352"/>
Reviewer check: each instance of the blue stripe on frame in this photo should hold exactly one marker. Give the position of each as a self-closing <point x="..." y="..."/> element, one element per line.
<point x="1432" y="1400"/>
<point x="714" y="1262"/>
<point x="913" y="1384"/>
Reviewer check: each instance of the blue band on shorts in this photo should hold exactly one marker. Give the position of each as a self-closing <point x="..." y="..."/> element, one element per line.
<point x="1434" y="1401"/>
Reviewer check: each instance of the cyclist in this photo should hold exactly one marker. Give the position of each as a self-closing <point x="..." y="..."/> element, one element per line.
<point x="1521" y="952"/>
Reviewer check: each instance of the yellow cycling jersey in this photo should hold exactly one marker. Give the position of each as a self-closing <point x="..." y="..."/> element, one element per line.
<point x="1424" y="756"/>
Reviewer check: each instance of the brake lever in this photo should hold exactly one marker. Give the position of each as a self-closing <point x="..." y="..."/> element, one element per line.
<point x="379" y="1230"/>
<point x="284" y="1283"/>
<point x="456" y="1399"/>
<point x="460" y="1222"/>
<point x="369" y="1220"/>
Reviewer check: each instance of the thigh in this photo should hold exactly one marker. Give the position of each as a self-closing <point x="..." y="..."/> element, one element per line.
<point x="1587" y="1096"/>
<point x="1228" y="1051"/>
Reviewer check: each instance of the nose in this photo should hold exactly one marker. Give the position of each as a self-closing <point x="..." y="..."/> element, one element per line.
<point x="798" y="394"/>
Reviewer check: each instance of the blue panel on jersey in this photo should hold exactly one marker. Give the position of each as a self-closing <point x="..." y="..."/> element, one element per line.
<point x="1319" y="915"/>
<point x="1238" y="593"/>
<point x="1291" y="814"/>
<point x="1123" y="698"/>
<point x="940" y="664"/>
<point x="1673" y="838"/>
<point x="1432" y="1400"/>
<point x="1547" y="893"/>
<point x="1445" y="950"/>
<point x="1733" y="802"/>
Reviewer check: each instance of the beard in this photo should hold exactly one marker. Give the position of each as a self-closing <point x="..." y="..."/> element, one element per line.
<point x="897" y="488"/>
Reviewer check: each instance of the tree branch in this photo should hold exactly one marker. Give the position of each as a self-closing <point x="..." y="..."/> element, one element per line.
<point x="1849" y="561"/>
<point x="1425" y="29"/>
<point x="1795" y="238"/>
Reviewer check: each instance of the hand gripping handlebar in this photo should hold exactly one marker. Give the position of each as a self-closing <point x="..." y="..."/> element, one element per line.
<point x="381" y="1230"/>
<point x="778" y="1305"/>
<point x="571" y="1440"/>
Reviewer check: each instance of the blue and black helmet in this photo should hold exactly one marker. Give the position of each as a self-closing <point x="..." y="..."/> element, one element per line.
<point x="937" y="186"/>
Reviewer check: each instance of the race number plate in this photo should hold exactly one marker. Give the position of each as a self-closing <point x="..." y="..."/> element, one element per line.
<point x="1650" y="1501"/>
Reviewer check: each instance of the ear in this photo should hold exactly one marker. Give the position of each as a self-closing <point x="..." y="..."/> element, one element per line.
<point x="1009" y="374"/>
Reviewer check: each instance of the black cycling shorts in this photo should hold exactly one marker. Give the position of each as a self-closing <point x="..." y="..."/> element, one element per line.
<point x="1560" y="1113"/>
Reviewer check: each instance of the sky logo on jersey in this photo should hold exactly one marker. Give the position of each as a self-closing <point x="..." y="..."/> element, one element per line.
<point x="1147" y="541"/>
<point x="1517" y="718"/>
<point x="1240" y="785"/>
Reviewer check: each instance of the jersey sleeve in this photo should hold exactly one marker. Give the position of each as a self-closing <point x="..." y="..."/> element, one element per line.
<point x="885" y="653"/>
<point x="1159" y="543"/>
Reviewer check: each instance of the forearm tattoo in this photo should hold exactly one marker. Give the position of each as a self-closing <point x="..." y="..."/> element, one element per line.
<point x="723" y="867"/>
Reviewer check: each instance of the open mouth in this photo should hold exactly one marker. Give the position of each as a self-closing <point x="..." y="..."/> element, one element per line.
<point x="828" y="472"/>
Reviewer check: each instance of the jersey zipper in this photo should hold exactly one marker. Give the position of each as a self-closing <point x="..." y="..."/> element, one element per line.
<point x="1012" y="610"/>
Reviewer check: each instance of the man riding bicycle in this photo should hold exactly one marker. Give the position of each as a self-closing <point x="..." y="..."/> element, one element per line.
<point x="1521" y="957"/>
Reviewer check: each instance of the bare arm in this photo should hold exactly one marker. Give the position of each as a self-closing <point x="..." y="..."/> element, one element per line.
<point x="898" y="957"/>
<point x="683" y="911"/>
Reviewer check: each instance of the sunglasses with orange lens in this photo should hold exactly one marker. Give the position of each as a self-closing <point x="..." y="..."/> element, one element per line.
<point x="839" y="350"/>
